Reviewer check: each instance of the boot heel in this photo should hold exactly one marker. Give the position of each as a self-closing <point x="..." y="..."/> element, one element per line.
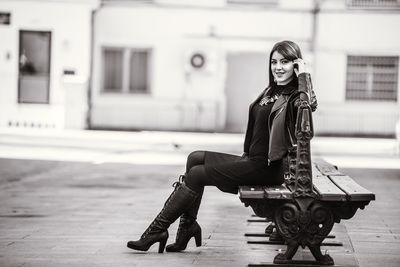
<point x="197" y="238"/>
<point x="163" y="242"/>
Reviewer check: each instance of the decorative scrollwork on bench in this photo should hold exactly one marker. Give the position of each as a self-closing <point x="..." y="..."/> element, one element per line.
<point x="308" y="227"/>
<point x="303" y="228"/>
<point x="304" y="133"/>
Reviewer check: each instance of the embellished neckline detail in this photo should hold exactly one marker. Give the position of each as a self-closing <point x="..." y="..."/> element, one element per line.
<point x="268" y="100"/>
<point x="274" y="92"/>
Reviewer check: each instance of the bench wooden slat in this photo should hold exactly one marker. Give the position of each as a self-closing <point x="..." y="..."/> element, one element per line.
<point x="246" y="191"/>
<point x="325" y="188"/>
<point x="278" y="192"/>
<point x="354" y="191"/>
<point x="325" y="167"/>
<point x="328" y="183"/>
<point x="265" y="192"/>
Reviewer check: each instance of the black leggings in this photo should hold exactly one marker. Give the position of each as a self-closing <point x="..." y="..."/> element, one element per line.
<point x="196" y="177"/>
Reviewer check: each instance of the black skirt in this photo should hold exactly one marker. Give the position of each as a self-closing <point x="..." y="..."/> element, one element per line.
<point x="229" y="171"/>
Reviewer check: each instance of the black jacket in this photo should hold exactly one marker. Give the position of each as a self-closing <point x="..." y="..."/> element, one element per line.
<point x="282" y="120"/>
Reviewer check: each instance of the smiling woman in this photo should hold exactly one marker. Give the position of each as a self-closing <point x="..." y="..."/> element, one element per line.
<point x="281" y="68"/>
<point x="285" y="59"/>
<point x="269" y="136"/>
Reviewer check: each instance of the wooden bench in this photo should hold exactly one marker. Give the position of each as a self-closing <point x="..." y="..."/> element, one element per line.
<point x="314" y="196"/>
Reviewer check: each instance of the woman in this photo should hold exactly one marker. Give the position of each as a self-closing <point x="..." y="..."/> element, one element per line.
<point x="269" y="135"/>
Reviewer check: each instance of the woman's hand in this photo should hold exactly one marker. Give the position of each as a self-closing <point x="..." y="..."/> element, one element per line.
<point x="299" y="66"/>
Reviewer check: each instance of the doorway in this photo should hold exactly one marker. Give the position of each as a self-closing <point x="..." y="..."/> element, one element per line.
<point x="34" y="67"/>
<point x="246" y="78"/>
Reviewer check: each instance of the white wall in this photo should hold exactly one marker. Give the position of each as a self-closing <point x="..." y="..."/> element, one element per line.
<point x="183" y="98"/>
<point x="69" y="24"/>
<point x="345" y="32"/>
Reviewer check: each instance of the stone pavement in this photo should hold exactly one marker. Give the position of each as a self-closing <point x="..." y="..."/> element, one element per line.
<point x="82" y="213"/>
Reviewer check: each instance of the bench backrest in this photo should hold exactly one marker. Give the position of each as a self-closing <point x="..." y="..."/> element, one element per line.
<point x="303" y="185"/>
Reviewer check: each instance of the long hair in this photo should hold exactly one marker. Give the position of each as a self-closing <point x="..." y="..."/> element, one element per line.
<point x="289" y="50"/>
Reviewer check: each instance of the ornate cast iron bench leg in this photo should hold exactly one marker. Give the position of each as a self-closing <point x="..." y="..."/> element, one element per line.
<point x="275" y="236"/>
<point x="305" y="222"/>
<point x="284" y="258"/>
<point x="322" y="259"/>
<point x="270" y="228"/>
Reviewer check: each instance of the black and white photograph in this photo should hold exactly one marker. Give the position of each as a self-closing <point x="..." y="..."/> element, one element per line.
<point x="199" y="133"/>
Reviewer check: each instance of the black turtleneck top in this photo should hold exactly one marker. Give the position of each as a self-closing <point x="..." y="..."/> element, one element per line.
<point x="259" y="143"/>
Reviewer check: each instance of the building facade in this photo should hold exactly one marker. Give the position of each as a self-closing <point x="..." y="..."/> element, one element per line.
<point x="356" y="69"/>
<point x="45" y="56"/>
<point x="195" y="65"/>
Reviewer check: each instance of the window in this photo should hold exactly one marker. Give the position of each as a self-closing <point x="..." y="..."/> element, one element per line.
<point x="253" y="2"/>
<point x="127" y="1"/>
<point x="113" y="59"/>
<point x="126" y="70"/>
<point x="138" y="72"/>
<point x="373" y="3"/>
<point x="372" y="78"/>
<point x="5" y="18"/>
<point x="34" y="67"/>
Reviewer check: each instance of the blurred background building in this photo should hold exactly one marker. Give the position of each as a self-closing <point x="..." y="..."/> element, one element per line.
<point x="193" y="65"/>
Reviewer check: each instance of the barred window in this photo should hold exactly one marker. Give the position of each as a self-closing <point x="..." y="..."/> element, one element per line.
<point x="372" y="78"/>
<point x="253" y="2"/>
<point x="373" y="3"/>
<point x="127" y="1"/>
<point x="125" y="70"/>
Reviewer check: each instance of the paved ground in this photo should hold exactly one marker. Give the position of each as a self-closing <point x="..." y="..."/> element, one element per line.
<point x="78" y="212"/>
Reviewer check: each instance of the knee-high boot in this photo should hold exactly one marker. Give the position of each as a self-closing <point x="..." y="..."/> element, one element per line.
<point x="188" y="227"/>
<point x="177" y="203"/>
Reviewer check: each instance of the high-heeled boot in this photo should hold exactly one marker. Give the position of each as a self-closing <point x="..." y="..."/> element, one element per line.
<point x="188" y="228"/>
<point x="177" y="203"/>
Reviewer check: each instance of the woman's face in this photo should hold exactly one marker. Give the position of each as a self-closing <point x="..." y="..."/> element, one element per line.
<point x="282" y="69"/>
